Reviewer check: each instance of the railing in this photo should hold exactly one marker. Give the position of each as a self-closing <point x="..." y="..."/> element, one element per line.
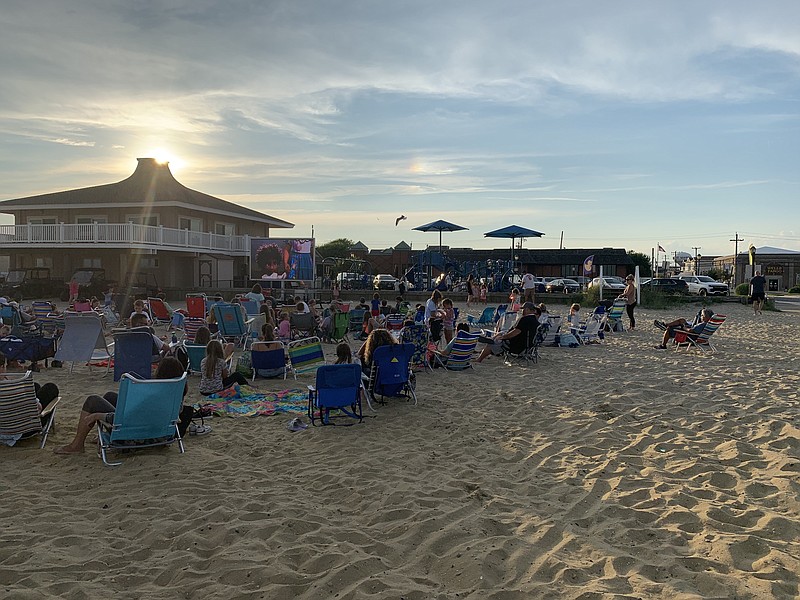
<point x="121" y="235"/>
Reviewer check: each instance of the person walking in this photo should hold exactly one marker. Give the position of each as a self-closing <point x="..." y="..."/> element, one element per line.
<point x="758" y="292"/>
<point x="629" y="294"/>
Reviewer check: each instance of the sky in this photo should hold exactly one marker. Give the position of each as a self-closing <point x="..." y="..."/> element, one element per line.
<point x="622" y="124"/>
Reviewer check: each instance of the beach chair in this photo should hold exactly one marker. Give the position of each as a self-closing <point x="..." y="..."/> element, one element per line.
<point x="394" y="321"/>
<point x="485" y="318"/>
<point x="701" y="340"/>
<point x="41" y="309"/>
<point x="356" y="319"/>
<point x="190" y="327"/>
<point x="531" y="352"/>
<point x="417" y="335"/>
<point x="500" y="311"/>
<point x="19" y="412"/>
<point x="612" y="321"/>
<point x="133" y="353"/>
<point x="146" y="415"/>
<point x="158" y="311"/>
<point x="305" y="355"/>
<point x="588" y="331"/>
<point x="83" y="341"/>
<point x="11" y="317"/>
<point x="460" y="356"/>
<point x="196" y="354"/>
<point x="391" y="374"/>
<point x="231" y="323"/>
<point x="250" y="307"/>
<point x="44" y="319"/>
<point x="303" y="325"/>
<point x="553" y="329"/>
<point x="82" y="307"/>
<point x="506" y="322"/>
<point x="196" y="306"/>
<point x="341" y="324"/>
<point x="269" y="360"/>
<point x="338" y="387"/>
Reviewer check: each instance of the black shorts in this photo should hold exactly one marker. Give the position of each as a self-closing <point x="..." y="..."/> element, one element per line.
<point x="758" y="296"/>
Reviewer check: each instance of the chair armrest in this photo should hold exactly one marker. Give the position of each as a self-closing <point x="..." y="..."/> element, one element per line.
<point x="50" y="407"/>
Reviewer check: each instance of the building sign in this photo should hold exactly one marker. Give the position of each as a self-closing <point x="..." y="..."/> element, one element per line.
<point x="773" y="270"/>
<point x="281" y="258"/>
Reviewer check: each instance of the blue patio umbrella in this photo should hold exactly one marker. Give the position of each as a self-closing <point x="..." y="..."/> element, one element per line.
<point x="513" y="232"/>
<point x="440" y="226"/>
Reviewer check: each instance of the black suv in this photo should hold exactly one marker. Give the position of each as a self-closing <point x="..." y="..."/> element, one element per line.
<point x="667" y="285"/>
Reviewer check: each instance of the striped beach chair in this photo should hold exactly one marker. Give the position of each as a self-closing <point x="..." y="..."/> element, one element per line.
<point x="702" y="340"/>
<point x="305" y="355"/>
<point x="19" y="413"/>
<point x="460" y="356"/>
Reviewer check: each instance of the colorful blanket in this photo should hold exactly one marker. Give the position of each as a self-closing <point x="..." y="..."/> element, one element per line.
<point x="246" y="401"/>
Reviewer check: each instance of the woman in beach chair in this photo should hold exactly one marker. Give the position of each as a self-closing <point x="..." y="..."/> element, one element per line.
<point x="101" y="408"/>
<point x="376" y="339"/>
<point x="671" y="328"/>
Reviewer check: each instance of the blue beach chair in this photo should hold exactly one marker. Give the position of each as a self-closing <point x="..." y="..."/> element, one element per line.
<point x="196" y="354"/>
<point x="133" y="353"/>
<point x="486" y="317"/>
<point x="338" y="387"/>
<point x="272" y="361"/>
<point x="146" y="415"/>
<point x="391" y="374"/>
<point x="231" y="323"/>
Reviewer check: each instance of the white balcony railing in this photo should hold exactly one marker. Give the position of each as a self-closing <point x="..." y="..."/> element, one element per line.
<point x="121" y="235"/>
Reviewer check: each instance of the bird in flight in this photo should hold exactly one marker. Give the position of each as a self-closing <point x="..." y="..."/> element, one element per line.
<point x="398" y="219"/>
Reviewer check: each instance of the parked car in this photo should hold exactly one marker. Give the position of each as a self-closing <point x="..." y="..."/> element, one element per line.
<point x="565" y="286"/>
<point x="384" y="282"/>
<point x="35" y="283"/>
<point x="351" y="281"/>
<point x="667" y="285"/>
<point x="704" y="285"/>
<point x="610" y="282"/>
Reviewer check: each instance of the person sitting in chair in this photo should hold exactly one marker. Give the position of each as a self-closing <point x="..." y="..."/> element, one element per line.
<point x="683" y="325"/>
<point x="516" y="339"/>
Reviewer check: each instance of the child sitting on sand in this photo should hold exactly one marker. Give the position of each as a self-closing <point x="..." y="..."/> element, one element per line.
<point x="214" y="375"/>
<point x="344" y="355"/>
<point x="285" y="327"/>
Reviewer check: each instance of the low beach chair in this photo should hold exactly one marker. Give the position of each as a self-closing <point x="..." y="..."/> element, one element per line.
<point x="417" y="335"/>
<point x="83" y="341"/>
<point x="341" y="325"/>
<point x="394" y="321"/>
<point x="190" y="327"/>
<point x="196" y="306"/>
<point x="485" y="318"/>
<point x="133" y="354"/>
<point x="587" y="332"/>
<point x="196" y="354"/>
<point x="531" y="352"/>
<point x="460" y="356"/>
<point x="356" y="319"/>
<point x="158" y="311"/>
<point x="700" y="340"/>
<point x="305" y="355"/>
<point x="250" y="307"/>
<point x="146" y="415"/>
<point x="338" y="387"/>
<point x="391" y="375"/>
<point x="612" y="321"/>
<point x="303" y="325"/>
<point x="269" y="360"/>
<point x="19" y="412"/>
<point x="231" y="323"/>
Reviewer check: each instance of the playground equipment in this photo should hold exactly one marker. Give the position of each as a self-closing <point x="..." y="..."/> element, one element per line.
<point x="499" y="275"/>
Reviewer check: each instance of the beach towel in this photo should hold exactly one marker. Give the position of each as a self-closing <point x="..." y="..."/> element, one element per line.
<point x="246" y="401"/>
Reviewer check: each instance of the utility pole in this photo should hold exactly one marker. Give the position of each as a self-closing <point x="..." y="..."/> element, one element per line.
<point x="695" y="248"/>
<point x="735" y="239"/>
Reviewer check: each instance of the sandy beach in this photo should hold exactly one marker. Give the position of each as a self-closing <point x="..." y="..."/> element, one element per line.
<point x="606" y="471"/>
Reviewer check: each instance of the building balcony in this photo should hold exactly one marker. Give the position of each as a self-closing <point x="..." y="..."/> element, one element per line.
<point x="121" y="236"/>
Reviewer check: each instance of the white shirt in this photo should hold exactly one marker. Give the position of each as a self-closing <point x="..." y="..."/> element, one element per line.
<point x="430" y="308"/>
<point x="528" y="281"/>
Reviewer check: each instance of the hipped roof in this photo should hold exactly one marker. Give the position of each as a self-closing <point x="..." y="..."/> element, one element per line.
<point x="151" y="184"/>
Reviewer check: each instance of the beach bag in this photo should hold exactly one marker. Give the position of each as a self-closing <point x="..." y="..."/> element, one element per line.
<point x="567" y="340"/>
<point x="244" y="365"/>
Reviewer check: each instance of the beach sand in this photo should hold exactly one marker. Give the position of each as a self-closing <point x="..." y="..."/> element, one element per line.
<point x="606" y="471"/>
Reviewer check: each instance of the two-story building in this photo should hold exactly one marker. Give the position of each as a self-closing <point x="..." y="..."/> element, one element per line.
<point x="147" y="222"/>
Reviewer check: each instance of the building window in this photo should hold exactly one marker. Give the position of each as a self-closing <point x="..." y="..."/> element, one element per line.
<point x="143" y="219"/>
<point x="190" y="223"/>
<point x="225" y="229"/>
<point x="92" y="263"/>
<point x="90" y="220"/>
<point x="41" y="220"/>
<point x="45" y="262"/>
<point x="148" y="262"/>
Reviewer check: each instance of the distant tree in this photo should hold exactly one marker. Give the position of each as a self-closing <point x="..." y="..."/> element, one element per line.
<point x="717" y="274"/>
<point x="643" y="262"/>
<point x="338" y="248"/>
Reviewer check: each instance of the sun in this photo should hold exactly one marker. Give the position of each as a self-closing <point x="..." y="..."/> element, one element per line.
<point x="164" y="156"/>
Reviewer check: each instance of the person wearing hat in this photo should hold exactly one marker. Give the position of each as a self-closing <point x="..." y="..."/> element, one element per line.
<point x="629" y="294"/>
<point x="518" y="338"/>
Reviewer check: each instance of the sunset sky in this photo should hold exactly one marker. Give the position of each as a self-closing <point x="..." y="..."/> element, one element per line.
<point x="622" y="124"/>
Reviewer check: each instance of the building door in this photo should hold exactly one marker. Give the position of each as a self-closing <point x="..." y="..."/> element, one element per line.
<point x="205" y="274"/>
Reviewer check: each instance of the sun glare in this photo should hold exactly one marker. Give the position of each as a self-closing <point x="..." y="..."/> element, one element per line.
<point x="163" y="156"/>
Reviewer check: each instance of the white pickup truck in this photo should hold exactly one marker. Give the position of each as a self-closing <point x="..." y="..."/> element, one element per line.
<point x="704" y="285"/>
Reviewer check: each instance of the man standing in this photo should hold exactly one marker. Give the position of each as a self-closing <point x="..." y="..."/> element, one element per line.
<point x="528" y="287"/>
<point x="757" y="292"/>
<point x="518" y="338"/>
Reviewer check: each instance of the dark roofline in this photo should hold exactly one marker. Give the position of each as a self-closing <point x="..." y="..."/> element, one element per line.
<point x="139" y="189"/>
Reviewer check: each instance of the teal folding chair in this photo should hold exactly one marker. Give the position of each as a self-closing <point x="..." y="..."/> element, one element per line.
<point x="146" y="416"/>
<point x="231" y="323"/>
